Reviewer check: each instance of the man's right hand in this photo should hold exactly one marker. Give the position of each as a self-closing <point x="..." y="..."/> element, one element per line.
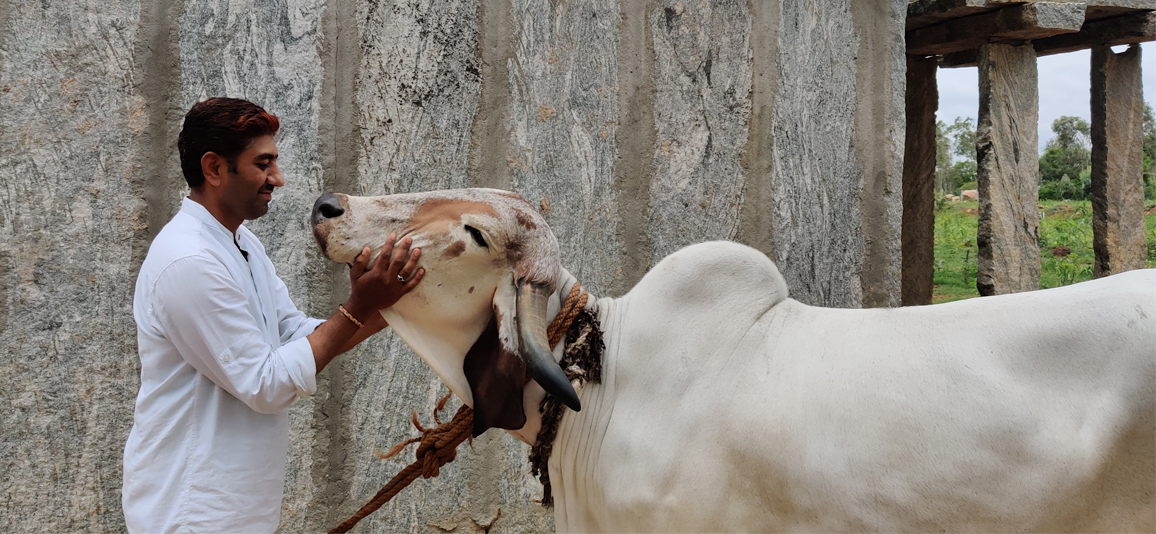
<point x="373" y="290"/>
<point x="382" y="285"/>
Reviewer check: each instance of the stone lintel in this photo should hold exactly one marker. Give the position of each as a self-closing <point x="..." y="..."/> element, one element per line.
<point x="923" y="13"/>
<point x="1008" y="232"/>
<point x="1117" y="161"/>
<point x="1017" y="23"/>
<point x="918" y="230"/>
<point x="1129" y="29"/>
<point x="1104" y="9"/>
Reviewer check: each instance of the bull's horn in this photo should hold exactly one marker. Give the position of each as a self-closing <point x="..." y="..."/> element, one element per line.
<point x="536" y="351"/>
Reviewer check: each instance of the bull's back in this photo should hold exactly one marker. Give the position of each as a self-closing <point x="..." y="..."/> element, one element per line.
<point x="738" y="409"/>
<point x="1028" y="411"/>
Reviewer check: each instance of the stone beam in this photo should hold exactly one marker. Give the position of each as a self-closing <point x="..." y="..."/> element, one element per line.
<point x="1129" y="29"/>
<point x="1008" y="170"/>
<point x="1104" y="9"/>
<point x="1117" y="157"/>
<point x="1018" y="23"/>
<point x="918" y="231"/>
<point x="923" y="13"/>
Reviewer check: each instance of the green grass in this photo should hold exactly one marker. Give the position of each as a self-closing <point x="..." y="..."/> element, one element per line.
<point x="1065" y="246"/>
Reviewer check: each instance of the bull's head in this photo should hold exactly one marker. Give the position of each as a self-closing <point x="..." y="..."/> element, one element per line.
<point x="478" y="318"/>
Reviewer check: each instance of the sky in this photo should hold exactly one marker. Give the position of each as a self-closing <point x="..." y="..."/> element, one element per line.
<point x="1065" y="88"/>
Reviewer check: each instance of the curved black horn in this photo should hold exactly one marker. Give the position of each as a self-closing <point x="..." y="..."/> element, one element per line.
<point x="536" y="351"/>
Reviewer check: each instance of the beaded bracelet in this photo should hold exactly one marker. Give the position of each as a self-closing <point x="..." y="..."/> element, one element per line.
<point x="349" y="315"/>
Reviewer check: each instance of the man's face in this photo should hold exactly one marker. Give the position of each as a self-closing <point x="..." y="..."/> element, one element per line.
<point x="249" y="189"/>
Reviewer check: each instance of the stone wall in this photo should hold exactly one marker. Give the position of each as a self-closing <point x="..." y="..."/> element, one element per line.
<point x="638" y="127"/>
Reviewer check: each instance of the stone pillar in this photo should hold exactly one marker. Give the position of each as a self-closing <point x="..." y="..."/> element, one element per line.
<point x="1117" y="161"/>
<point x="918" y="239"/>
<point x="1006" y="141"/>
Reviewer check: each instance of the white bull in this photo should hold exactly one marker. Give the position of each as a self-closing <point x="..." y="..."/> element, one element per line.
<point x="725" y="405"/>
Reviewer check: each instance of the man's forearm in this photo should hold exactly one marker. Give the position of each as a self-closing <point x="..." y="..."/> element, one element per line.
<point x="372" y="326"/>
<point x="338" y="334"/>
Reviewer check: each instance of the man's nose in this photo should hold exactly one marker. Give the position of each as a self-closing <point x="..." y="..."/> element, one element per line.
<point x="327" y="207"/>
<point x="275" y="178"/>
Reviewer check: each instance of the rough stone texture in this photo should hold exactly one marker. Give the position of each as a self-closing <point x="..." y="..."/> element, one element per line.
<point x="702" y="77"/>
<point x="1008" y="233"/>
<point x="881" y="67"/>
<point x="71" y="215"/>
<point x="756" y="227"/>
<point x="919" y="182"/>
<point x="1117" y="161"/>
<point x="818" y="242"/>
<point x="564" y="112"/>
<point x="637" y="126"/>
<point x="637" y="141"/>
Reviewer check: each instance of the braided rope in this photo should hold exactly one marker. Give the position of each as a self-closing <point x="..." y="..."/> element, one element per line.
<point x="437" y="447"/>
<point x="574" y="304"/>
<point x="582" y="362"/>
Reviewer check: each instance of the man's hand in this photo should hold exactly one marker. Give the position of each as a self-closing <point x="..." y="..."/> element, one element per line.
<point x="374" y="289"/>
<point x="387" y="281"/>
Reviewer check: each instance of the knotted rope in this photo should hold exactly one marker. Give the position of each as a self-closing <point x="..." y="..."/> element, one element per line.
<point x="438" y="445"/>
<point x="574" y="303"/>
<point x="582" y="363"/>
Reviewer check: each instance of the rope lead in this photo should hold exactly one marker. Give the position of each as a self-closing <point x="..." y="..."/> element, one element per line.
<point x="438" y="445"/>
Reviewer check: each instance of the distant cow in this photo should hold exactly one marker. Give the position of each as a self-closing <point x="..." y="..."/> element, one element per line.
<point x="970" y="194"/>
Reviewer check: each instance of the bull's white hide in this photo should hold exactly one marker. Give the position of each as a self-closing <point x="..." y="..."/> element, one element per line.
<point x="726" y="406"/>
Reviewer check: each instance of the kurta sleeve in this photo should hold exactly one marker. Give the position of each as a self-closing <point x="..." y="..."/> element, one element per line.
<point x="206" y="316"/>
<point x="291" y="323"/>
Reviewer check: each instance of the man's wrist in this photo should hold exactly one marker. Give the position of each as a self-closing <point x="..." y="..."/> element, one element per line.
<point x="358" y="311"/>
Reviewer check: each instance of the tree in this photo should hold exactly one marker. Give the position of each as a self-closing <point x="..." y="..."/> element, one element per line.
<point x="1149" y="142"/>
<point x="942" y="159"/>
<point x="1149" y="136"/>
<point x="1066" y="154"/>
<point x="962" y="133"/>
<point x="954" y="154"/>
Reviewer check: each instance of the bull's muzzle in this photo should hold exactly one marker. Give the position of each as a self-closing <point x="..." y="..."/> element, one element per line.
<point x="326" y="207"/>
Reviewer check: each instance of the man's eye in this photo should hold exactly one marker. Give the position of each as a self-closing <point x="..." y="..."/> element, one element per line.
<point x="262" y="166"/>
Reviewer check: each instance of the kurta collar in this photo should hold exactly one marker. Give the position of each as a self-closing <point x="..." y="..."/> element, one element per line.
<point x="202" y="214"/>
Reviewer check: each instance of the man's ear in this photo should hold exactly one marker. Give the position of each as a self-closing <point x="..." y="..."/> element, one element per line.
<point x="214" y="167"/>
<point x="497" y="379"/>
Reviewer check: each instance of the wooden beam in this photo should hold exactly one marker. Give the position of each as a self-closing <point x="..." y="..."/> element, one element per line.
<point x="1129" y="29"/>
<point x="1013" y="24"/>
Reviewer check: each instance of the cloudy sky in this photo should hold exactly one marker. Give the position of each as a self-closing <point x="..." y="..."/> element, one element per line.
<point x="1064" y="88"/>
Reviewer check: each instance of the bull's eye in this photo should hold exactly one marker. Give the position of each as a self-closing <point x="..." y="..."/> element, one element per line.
<point x="477" y="235"/>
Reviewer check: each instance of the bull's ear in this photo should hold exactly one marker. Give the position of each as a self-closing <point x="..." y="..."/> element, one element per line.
<point x="496" y="374"/>
<point x="497" y="379"/>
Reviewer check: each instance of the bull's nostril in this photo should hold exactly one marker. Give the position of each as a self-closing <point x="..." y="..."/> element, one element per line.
<point x="330" y="211"/>
<point x="328" y="206"/>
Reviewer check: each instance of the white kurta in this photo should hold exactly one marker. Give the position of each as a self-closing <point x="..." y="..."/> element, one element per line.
<point x="223" y="355"/>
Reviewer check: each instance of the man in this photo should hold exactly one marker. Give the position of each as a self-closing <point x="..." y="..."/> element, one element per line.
<point x="223" y="350"/>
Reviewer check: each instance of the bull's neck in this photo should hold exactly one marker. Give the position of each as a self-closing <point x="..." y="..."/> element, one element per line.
<point x="534" y="394"/>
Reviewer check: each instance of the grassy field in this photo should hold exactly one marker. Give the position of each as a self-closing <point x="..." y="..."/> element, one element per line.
<point x="1065" y="246"/>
